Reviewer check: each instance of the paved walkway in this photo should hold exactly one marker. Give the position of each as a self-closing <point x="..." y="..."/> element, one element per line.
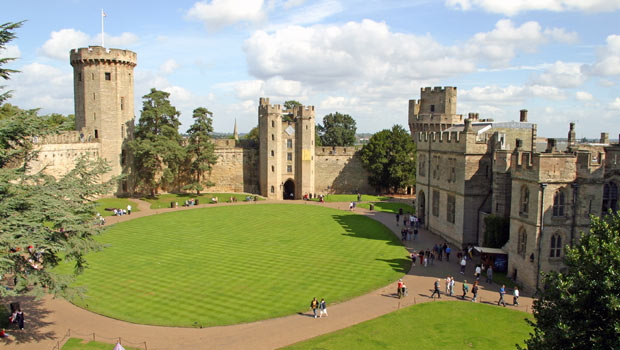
<point x="49" y="320"/>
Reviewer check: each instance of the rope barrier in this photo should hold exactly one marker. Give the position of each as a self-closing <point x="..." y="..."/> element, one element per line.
<point x="95" y="337"/>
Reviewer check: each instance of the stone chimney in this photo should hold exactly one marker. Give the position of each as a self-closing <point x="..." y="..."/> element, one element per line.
<point x="467" y="127"/>
<point x="605" y="138"/>
<point x="571" y="135"/>
<point x="551" y="146"/>
<point x="523" y="116"/>
<point x="519" y="144"/>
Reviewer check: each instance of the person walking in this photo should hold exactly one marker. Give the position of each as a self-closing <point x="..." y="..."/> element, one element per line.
<point x="314" y="304"/>
<point x="475" y="291"/>
<point x="436" y="291"/>
<point x="515" y="296"/>
<point x="490" y="274"/>
<point x="448" y="285"/>
<point x="502" y="291"/>
<point x="415" y="233"/>
<point x="448" y="250"/>
<point x="463" y="265"/>
<point x="128" y="209"/>
<point x="399" y="289"/>
<point x="397" y="219"/>
<point x="451" y="285"/>
<point x="465" y="289"/>
<point x="323" y="308"/>
<point x="478" y="272"/>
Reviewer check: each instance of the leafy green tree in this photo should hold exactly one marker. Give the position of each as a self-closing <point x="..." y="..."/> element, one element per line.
<point x="200" y="149"/>
<point x="496" y="232"/>
<point x="290" y="104"/>
<point x="7" y="33"/>
<point x="580" y="308"/>
<point x="60" y="121"/>
<point x="157" y="147"/>
<point x="389" y="157"/>
<point x="252" y="135"/>
<point x="337" y="130"/>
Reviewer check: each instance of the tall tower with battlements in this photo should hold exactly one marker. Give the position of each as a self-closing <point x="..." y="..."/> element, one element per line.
<point x="434" y="111"/>
<point x="104" y="102"/>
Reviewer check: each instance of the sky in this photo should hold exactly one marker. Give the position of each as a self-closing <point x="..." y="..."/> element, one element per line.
<point x="559" y="59"/>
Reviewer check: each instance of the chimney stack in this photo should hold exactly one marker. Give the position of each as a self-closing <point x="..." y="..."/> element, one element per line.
<point x="604" y="138"/>
<point x="571" y="135"/>
<point x="467" y="127"/>
<point x="551" y="143"/>
<point x="523" y="116"/>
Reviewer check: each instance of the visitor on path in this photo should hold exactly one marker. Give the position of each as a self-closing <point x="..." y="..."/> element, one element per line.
<point x="447" y="285"/>
<point x="436" y="291"/>
<point x="359" y="197"/>
<point x="19" y="318"/>
<point x="415" y="233"/>
<point x="463" y="265"/>
<point x="323" y="308"/>
<point x="425" y="260"/>
<point x="502" y="291"/>
<point x="397" y="219"/>
<point x="432" y="258"/>
<point x="128" y="209"/>
<point x="408" y="234"/>
<point x="451" y="286"/>
<point x="413" y="255"/>
<point x="475" y="291"/>
<point x="478" y="272"/>
<point x="400" y="291"/>
<point x="515" y="296"/>
<point x="3" y="333"/>
<point x="403" y="234"/>
<point x="314" y="304"/>
<point x="465" y="289"/>
<point x="448" y="250"/>
<point x="490" y="275"/>
<point x="351" y="206"/>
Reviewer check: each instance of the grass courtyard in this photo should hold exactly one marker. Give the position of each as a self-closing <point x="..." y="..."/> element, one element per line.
<point x="79" y="344"/>
<point x="443" y="325"/>
<point x="118" y="203"/>
<point x="163" y="200"/>
<point x="226" y="265"/>
<point x="351" y="198"/>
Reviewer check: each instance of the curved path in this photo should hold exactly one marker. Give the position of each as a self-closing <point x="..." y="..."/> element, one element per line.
<point x="49" y="320"/>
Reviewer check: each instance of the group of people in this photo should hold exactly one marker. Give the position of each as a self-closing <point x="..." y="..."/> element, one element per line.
<point x="401" y="289"/>
<point x="428" y="256"/>
<point x="318" y="307"/>
<point x="121" y="212"/>
<point x="191" y="202"/>
<point x="475" y="288"/>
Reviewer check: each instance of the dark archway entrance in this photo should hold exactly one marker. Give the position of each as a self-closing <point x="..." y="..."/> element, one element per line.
<point x="289" y="189"/>
<point x="421" y="208"/>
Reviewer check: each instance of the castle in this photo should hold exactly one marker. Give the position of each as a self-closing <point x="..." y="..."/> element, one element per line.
<point x="470" y="168"/>
<point x="286" y="164"/>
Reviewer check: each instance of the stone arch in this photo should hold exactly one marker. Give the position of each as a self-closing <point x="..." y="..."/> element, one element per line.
<point x="289" y="189"/>
<point x="421" y="207"/>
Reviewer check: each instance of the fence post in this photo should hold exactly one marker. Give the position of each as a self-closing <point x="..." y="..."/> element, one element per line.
<point x="145" y="348"/>
<point x="93" y="336"/>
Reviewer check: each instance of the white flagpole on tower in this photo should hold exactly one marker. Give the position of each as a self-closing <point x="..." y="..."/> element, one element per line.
<point x="102" y="15"/>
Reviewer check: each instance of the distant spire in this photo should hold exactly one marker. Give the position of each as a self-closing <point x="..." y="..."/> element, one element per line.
<point x="235" y="133"/>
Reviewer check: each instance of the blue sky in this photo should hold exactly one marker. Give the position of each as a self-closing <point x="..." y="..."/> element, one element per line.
<point x="560" y="59"/>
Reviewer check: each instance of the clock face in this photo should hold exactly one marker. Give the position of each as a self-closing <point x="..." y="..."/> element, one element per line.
<point x="290" y="130"/>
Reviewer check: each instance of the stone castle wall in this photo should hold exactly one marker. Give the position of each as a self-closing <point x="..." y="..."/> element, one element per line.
<point x="57" y="159"/>
<point x="340" y="170"/>
<point x="236" y="169"/>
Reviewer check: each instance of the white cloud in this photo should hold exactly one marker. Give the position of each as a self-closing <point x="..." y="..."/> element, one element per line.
<point x="219" y="13"/>
<point x="10" y="51"/>
<point x="61" y="42"/>
<point x="501" y="45"/>
<point x="169" y="66"/>
<point x="583" y="96"/>
<point x="42" y="86"/>
<point x="513" y="7"/>
<point x="495" y="95"/>
<point x="615" y="104"/>
<point x="313" y="13"/>
<point x="293" y="3"/>
<point x="608" y="62"/>
<point x="563" y="75"/>
<point x="276" y="87"/>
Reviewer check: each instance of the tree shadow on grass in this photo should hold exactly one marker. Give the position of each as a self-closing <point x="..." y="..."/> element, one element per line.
<point x="355" y="226"/>
<point x="400" y="265"/>
<point x="35" y="315"/>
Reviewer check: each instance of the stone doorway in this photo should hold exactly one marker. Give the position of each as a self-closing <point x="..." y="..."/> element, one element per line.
<point x="289" y="189"/>
<point x="422" y="209"/>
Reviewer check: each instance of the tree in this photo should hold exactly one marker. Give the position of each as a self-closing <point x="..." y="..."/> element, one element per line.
<point x="337" y="130"/>
<point x="60" y="122"/>
<point x="580" y="308"/>
<point x="252" y="135"/>
<point x="496" y="231"/>
<point x="7" y="33"/>
<point x="200" y="149"/>
<point x="157" y="148"/>
<point x="54" y="216"/>
<point x="389" y="157"/>
<point x="290" y="104"/>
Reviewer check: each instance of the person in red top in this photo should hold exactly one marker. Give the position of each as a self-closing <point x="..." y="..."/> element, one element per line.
<point x="399" y="291"/>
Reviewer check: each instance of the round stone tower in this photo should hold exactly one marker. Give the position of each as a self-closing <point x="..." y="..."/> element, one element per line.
<point x="103" y="94"/>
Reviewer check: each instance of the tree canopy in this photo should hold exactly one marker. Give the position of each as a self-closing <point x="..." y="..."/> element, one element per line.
<point x="389" y="157"/>
<point x="580" y="307"/>
<point x="290" y="104"/>
<point x="337" y="130"/>
<point x="200" y="149"/>
<point x="157" y="147"/>
<point x="7" y="33"/>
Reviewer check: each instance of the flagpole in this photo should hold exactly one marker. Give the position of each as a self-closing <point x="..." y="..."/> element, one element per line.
<point x="102" y="15"/>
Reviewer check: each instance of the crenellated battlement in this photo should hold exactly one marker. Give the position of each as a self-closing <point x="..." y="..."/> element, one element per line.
<point x="438" y="136"/>
<point x="438" y="89"/>
<point x="264" y="108"/>
<point x="68" y="137"/>
<point x="303" y="111"/>
<point x="101" y="55"/>
<point x="336" y="151"/>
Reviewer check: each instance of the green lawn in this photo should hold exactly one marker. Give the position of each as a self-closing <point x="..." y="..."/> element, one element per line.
<point x="230" y="264"/>
<point x="79" y="344"/>
<point x="351" y="198"/>
<point x="118" y="203"/>
<point x="390" y="207"/>
<point x="431" y="326"/>
<point x="163" y="200"/>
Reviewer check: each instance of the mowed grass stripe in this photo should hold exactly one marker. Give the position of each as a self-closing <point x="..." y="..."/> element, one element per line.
<point x="226" y="265"/>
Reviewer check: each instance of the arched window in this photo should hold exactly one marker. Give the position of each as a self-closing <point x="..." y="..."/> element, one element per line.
<point x="555" y="250"/>
<point x="524" y="203"/>
<point x="559" y="203"/>
<point x="522" y="243"/>
<point x="273" y="189"/>
<point x="610" y="197"/>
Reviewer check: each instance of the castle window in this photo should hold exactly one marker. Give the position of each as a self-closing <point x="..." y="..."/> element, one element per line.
<point x="272" y="189"/>
<point x="92" y="76"/>
<point x="436" y="173"/>
<point x="272" y="153"/>
<point x="422" y="165"/>
<point x="450" y="208"/>
<point x="522" y="242"/>
<point x="273" y="137"/>
<point x="79" y="76"/>
<point x="94" y="115"/>
<point x="435" y="203"/>
<point x="555" y="250"/>
<point x="122" y="103"/>
<point x="452" y="163"/>
<point x="273" y="169"/>
<point x="524" y="203"/>
<point x="123" y="156"/>
<point x="273" y="124"/>
<point x="289" y="143"/>
<point x="123" y="131"/>
<point x="108" y="76"/>
<point x="96" y="133"/>
<point x="94" y="97"/>
<point x="610" y="197"/>
<point x="559" y="203"/>
<point x="432" y="108"/>
<point x="289" y="156"/>
<point x="289" y="168"/>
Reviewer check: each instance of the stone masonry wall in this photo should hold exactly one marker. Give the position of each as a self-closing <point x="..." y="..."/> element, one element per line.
<point x="236" y="170"/>
<point x="340" y="170"/>
<point x="57" y="159"/>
